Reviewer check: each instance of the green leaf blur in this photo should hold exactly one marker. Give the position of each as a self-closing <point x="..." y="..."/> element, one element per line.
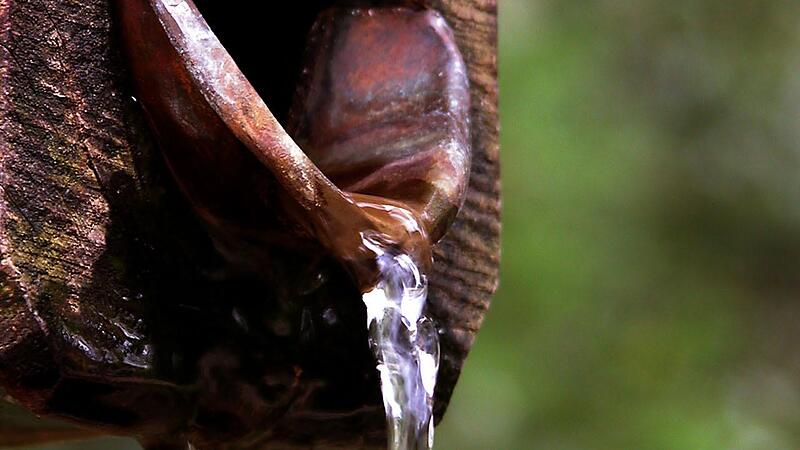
<point x="651" y="231"/>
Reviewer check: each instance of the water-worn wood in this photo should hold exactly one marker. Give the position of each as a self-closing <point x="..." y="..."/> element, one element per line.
<point x="466" y="272"/>
<point x="92" y="229"/>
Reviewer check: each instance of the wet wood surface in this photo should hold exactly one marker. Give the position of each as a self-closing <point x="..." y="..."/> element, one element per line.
<point x="91" y="221"/>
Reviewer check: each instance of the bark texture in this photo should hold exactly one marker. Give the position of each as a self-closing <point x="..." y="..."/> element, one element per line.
<point x="94" y="235"/>
<point x="466" y="272"/>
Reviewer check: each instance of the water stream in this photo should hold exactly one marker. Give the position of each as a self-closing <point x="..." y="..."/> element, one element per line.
<point x="406" y="347"/>
<point x="404" y="341"/>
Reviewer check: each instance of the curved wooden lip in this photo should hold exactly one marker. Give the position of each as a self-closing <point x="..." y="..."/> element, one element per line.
<point x="336" y="218"/>
<point x="237" y="103"/>
<point x="382" y="107"/>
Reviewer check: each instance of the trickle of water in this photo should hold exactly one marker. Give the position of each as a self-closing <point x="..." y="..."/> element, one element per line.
<point x="405" y="344"/>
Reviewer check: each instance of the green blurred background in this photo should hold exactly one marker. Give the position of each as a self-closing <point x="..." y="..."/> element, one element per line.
<point x="651" y="257"/>
<point x="651" y="246"/>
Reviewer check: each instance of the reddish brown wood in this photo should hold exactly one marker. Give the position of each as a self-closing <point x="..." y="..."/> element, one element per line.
<point x="383" y="112"/>
<point x="382" y="109"/>
<point x="89" y="215"/>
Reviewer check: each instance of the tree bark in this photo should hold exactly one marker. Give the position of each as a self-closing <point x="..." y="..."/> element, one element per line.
<point x="94" y="235"/>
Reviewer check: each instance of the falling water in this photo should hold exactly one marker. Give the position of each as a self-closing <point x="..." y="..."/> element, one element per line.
<point x="406" y="346"/>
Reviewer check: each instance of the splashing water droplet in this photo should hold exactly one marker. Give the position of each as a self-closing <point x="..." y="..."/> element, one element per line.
<point x="405" y="344"/>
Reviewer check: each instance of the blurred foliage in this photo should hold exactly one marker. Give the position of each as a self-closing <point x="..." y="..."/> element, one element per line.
<point x="651" y="231"/>
<point x="651" y="247"/>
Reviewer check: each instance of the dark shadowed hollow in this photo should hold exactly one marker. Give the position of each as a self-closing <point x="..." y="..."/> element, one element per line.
<point x="267" y="40"/>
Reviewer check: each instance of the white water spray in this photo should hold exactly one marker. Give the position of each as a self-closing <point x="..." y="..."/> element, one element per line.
<point x="405" y="344"/>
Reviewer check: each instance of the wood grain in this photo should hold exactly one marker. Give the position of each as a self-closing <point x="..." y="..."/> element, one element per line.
<point x="466" y="272"/>
<point x="88" y="213"/>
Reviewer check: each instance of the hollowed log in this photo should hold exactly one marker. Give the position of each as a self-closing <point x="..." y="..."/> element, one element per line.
<point x="105" y="265"/>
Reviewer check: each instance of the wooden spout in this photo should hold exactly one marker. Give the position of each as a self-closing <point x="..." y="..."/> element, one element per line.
<point x="212" y="122"/>
<point x="117" y="311"/>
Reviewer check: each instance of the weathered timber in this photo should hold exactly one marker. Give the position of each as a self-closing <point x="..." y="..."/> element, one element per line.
<point x="98" y="245"/>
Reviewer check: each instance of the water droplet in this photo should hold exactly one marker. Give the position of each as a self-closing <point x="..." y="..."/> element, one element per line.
<point x="239" y="319"/>
<point x="329" y="316"/>
<point x="306" y="326"/>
